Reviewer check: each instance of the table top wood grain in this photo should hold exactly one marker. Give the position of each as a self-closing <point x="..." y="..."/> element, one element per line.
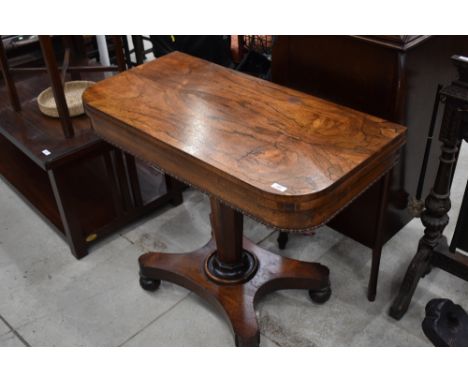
<point x="284" y="157"/>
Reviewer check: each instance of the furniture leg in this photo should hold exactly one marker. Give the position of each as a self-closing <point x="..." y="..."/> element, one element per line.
<point x="68" y="215"/>
<point x="434" y="217"/>
<point x="133" y="179"/>
<point x="174" y="187"/>
<point x="139" y="49"/>
<point x="12" y="93"/>
<point x="57" y="87"/>
<point x="416" y="270"/>
<point x="374" y="274"/>
<point x="282" y="240"/>
<point x="119" y="54"/>
<point x="233" y="273"/>
<point x="378" y="243"/>
<point x="122" y="179"/>
<point x="461" y="226"/>
<point x="379" y="229"/>
<point x="76" y="56"/>
<point x="116" y="194"/>
<point x="126" y="50"/>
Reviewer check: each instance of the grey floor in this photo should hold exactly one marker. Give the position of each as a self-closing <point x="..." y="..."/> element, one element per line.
<point x="47" y="298"/>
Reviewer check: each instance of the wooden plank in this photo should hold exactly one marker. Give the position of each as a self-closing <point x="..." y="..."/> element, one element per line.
<point x="5" y="69"/>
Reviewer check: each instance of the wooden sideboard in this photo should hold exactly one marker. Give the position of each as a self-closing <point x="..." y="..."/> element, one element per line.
<point x="393" y="77"/>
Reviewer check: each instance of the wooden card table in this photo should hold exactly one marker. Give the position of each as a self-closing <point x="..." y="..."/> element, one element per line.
<point x="287" y="159"/>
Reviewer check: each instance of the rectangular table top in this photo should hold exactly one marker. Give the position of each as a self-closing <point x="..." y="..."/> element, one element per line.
<point x="287" y="158"/>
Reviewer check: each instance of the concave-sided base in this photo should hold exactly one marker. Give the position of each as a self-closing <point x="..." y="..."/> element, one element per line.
<point x="237" y="301"/>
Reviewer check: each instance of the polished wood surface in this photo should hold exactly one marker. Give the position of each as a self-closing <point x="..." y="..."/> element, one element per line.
<point x="247" y="133"/>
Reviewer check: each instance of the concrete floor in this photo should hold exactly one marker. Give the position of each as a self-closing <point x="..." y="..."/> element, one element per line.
<point x="47" y="298"/>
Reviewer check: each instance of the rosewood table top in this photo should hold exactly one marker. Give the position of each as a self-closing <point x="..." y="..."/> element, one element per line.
<point x="286" y="158"/>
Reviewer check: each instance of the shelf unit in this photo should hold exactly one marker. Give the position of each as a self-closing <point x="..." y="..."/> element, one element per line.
<point x="82" y="186"/>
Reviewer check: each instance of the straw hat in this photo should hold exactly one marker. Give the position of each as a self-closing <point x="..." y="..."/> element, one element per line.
<point x="73" y="94"/>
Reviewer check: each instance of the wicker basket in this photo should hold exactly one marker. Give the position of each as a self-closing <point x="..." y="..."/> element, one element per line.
<point x="73" y="94"/>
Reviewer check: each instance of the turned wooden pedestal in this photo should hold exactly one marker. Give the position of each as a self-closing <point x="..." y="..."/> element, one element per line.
<point x="433" y="250"/>
<point x="233" y="273"/>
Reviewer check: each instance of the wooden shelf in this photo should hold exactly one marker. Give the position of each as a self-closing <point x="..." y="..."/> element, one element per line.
<point x="86" y="181"/>
<point x="32" y="132"/>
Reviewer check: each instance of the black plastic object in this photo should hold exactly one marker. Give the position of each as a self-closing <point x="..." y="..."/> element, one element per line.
<point x="255" y="64"/>
<point x="215" y="49"/>
<point x="445" y="324"/>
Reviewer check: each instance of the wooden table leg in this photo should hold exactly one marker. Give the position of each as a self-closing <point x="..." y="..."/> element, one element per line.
<point x="233" y="273"/>
<point x="10" y="84"/>
<point x="283" y="238"/>
<point x="135" y="188"/>
<point x="174" y="188"/>
<point x="378" y="241"/>
<point x="68" y="213"/>
<point x="122" y="178"/>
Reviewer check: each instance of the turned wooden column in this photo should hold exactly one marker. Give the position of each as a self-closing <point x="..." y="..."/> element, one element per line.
<point x="230" y="263"/>
<point x="434" y="219"/>
<point x="437" y="204"/>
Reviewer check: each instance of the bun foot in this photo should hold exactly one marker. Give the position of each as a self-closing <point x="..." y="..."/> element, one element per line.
<point x="320" y="296"/>
<point x="149" y="284"/>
